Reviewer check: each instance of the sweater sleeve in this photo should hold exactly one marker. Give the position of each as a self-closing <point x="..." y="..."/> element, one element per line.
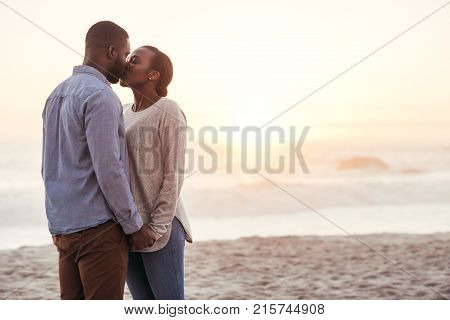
<point x="172" y="133"/>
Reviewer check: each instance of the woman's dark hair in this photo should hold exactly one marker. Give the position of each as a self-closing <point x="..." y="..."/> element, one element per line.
<point x="162" y="64"/>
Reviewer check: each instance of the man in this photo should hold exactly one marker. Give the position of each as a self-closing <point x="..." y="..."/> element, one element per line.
<point x="89" y="205"/>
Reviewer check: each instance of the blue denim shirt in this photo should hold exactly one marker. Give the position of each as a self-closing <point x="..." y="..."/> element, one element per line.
<point x="84" y="156"/>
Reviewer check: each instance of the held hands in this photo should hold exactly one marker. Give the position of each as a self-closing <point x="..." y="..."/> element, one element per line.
<point x="143" y="238"/>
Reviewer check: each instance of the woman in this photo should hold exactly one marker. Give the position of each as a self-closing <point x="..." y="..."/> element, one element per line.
<point x="156" y="138"/>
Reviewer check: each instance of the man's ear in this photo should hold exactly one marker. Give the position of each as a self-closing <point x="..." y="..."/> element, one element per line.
<point x="111" y="51"/>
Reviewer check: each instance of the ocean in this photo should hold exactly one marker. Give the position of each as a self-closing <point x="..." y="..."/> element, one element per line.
<point x="349" y="190"/>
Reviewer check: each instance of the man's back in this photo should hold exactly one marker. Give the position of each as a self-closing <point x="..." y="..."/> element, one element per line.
<point x="84" y="155"/>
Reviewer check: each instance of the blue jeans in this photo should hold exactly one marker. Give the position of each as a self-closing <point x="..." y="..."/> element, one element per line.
<point x="159" y="275"/>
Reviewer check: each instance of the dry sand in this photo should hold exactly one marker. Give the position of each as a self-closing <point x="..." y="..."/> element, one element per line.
<point x="310" y="267"/>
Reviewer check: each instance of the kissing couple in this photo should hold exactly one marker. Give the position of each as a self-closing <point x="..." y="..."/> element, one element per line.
<point x="113" y="174"/>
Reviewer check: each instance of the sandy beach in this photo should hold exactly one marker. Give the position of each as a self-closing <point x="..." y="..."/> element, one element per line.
<point x="305" y="267"/>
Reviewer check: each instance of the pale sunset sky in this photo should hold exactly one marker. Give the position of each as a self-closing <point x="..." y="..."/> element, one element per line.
<point x="244" y="62"/>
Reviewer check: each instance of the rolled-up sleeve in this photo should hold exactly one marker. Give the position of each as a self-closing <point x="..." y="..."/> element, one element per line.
<point x="102" y="125"/>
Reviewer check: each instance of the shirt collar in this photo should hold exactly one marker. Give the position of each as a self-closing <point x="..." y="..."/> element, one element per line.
<point x="92" y="71"/>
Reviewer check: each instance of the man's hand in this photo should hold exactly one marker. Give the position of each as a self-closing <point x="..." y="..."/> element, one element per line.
<point x="143" y="238"/>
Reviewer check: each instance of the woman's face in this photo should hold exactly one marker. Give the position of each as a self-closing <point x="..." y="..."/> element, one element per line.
<point x="138" y="68"/>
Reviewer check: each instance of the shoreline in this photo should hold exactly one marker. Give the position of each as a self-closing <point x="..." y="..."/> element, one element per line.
<point x="362" y="220"/>
<point x="288" y="267"/>
<point x="381" y="234"/>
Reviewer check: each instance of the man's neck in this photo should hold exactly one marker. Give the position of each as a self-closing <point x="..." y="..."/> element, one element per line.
<point x="95" y="65"/>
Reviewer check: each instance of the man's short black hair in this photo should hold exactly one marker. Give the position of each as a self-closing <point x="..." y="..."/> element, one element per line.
<point x="105" y="33"/>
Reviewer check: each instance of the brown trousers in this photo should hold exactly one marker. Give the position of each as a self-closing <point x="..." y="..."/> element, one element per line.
<point x="93" y="263"/>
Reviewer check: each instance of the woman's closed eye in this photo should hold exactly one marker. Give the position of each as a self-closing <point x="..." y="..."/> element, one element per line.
<point x="129" y="60"/>
<point x="133" y="60"/>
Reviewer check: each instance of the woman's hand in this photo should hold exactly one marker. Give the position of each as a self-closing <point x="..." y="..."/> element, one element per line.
<point x="143" y="238"/>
